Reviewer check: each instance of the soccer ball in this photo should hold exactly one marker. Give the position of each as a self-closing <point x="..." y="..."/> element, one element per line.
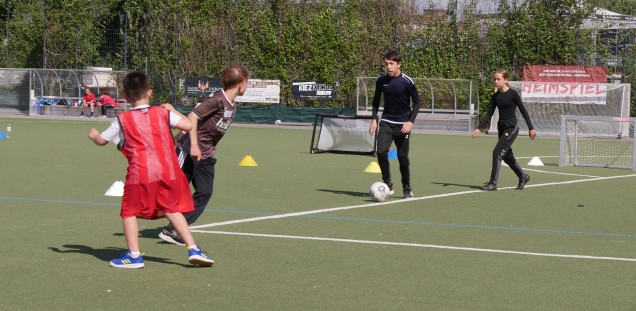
<point x="379" y="192"/>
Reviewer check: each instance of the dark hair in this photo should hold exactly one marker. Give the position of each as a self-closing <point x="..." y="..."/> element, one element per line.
<point x="394" y="56"/>
<point x="233" y="75"/>
<point x="136" y="85"/>
<point x="105" y="93"/>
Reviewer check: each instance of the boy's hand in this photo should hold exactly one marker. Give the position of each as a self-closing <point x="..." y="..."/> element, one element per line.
<point x="168" y="106"/>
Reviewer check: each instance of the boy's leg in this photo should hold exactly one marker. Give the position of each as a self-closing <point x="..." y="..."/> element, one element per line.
<point x="203" y="183"/>
<point x="179" y="223"/>
<point x="385" y="138"/>
<point x="196" y="255"/>
<point x="402" y="146"/>
<point x="131" y="231"/>
<point x="202" y="177"/>
<point x="132" y="258"/>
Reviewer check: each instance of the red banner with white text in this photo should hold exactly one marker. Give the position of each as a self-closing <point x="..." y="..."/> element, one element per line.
<point x="562" y="73"/>
<point x="564" y="84"/>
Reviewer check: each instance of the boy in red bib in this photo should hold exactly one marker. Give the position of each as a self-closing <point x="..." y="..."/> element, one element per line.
<point x="155" y="186"/>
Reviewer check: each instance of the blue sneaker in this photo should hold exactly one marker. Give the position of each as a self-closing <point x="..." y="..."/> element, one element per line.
<point x="199" y="257"/>
<point x="127" y="261"/>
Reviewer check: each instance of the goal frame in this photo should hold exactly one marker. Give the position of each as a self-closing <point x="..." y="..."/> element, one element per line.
<point x="318" y="122"/>
<point x="624" y="134"/>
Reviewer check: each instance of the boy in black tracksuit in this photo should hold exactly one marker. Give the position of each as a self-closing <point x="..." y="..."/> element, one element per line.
<point x="397" y="119"/>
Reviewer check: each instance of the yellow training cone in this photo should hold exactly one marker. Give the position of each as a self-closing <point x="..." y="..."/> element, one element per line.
<point x="248" y="161"/>
<point x="373" y="167"/>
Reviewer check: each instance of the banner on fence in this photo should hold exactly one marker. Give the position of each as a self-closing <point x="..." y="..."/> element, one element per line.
<point x="314" y="90"/>
<point x="564" y="84"/>
<point x="571" y="93"/>
<point x="201" y="86"/>
<point x="261" y="91"/>
<point x="563" y="73"/>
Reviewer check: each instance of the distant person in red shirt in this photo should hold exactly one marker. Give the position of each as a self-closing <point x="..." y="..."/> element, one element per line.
<point x="107" y="103"/>
<point x="88" y="100"/>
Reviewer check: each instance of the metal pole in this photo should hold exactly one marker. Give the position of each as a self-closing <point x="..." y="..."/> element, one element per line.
<point x="44" y="36"/>
<point x="126" y="38"/>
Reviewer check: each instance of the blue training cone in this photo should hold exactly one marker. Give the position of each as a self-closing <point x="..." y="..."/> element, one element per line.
<point x="393" y="154"/>
<point x="2" y="135"/>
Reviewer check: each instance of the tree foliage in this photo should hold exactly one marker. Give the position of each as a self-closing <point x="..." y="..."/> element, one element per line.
<point x="290" y="40"/>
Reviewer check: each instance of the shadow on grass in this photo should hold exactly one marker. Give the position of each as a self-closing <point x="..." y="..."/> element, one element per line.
<point x="446" y="184"/>
<point x="109" y="253"/>
<point x="145" y="233"/>
<point x="349" y="193"/>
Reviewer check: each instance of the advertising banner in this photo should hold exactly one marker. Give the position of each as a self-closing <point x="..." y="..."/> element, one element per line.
<point x="196" y="87"/>
<point x="571" y="93"/>
<point x="261" y="91"/>
<point x="564" y="84"/>
<point x="314" y="90"/>
<point x="558" y="73"/>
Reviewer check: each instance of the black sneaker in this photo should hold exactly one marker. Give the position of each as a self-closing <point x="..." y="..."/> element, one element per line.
<point x="171" y="236"/>
<point x="523" y="181"/>
<point x="408" y="193"/>
<point x="489" y="187"/>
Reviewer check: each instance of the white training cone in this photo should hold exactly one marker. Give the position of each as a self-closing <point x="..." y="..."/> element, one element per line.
<point x="116" y="190"/>
<point x="535" y="161"/>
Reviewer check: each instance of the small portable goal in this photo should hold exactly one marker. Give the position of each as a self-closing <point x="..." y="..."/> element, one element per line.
<point x="342" y="134"/>
<point x="597" y="141"/>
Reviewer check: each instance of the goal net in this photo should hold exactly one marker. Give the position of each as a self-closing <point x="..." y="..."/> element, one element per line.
<point x="342" y="134"/>
<point x="546" y="102"/>
<point x="597" y="141"/>
<point x="448" y="105"/>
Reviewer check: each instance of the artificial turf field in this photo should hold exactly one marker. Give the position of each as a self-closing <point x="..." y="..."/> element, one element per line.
<point x="299" y="232"/>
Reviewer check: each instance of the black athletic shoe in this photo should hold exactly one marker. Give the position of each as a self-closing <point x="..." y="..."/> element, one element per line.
<point x="408" y="193"/>
<point x="523" y="181"/>
<point x="489" y="187"/>
<point x="171" y="236"/>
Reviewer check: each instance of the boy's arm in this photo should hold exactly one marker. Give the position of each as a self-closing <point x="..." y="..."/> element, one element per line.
<point x="184" y="124"/>
<point x="94" y="135"/>
<point x="195" y="152"/>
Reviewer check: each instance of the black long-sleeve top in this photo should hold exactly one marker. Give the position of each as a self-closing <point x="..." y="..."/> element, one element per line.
<point x="398" y="93"/>
<point x="506" y="102"/>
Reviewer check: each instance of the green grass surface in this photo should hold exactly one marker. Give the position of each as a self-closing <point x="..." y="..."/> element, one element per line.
<point x="452" y="248"/>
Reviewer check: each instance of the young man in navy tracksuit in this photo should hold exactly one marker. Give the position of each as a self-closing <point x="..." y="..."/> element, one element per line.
<point x="397" y="119"/>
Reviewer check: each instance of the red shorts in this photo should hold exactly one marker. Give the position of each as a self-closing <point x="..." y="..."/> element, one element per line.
<point x="154" y="200"/>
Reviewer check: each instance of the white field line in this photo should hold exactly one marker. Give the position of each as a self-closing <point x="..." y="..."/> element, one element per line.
<point x="472" y="249"/>
<point x="326" y="210"/>
<point x="557" y="173"/>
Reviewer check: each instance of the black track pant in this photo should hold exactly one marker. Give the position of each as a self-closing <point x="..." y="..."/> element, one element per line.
<point x="387" y="134"/>
<point x="201" y="174"/>
<point x="503" y="151"/>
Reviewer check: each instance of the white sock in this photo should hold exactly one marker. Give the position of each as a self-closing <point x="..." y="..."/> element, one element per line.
<point x="135" y="254"/>
<point x="194" y="247"/>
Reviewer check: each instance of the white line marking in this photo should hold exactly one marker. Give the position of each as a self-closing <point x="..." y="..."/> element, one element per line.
<point x="557" y="173"/>
<point x="472" y="249"/>
<point x="238" y="221"/>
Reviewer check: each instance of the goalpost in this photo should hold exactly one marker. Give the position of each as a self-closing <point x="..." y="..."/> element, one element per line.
<point x="597" y="141"/>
